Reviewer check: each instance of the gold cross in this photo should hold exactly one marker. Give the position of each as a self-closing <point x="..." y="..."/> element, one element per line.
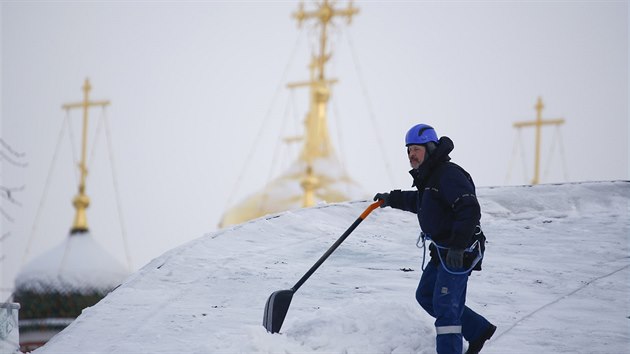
<point x="82" y="201"/>
<point x="538" y="123"/>
<point x="316" y="139"/>
<point x="324" y="13"/>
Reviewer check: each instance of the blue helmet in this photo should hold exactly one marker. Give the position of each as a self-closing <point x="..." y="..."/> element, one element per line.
<point x="420" y="134"/>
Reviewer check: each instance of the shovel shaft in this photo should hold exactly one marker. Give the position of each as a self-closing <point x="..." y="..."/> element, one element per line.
<point x="279" y="301"/>
<point x="332" y="248"/>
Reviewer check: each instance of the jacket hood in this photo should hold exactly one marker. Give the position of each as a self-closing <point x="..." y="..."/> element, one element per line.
<point x="445" y="146"/>
<point x="439" y="155"/>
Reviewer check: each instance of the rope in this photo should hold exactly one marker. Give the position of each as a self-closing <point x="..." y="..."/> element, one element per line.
<point x="523" y="157"/>
<point x="552" y="148"/>
<point x="75" y="160"/>
<point x="278" y="144"/>
<point x="274" y="158"/>
<point x="476" y="244"/>
<point x="255" y="142"/>
<point x="469" y="249"/>
<point x="116" y="189"/>
<point x="45" y="191"/>
<point x="424" y="249"/>
<point x="562" y="156"/>
<point x="508" y="176"/>
<point x="337" y="119"/>
<point x="64" y="257"/>
<point x="99" y="126"/>
<point x="293" y="119"/>
<point x="297" y="122"/>
<point x="529" y="315"/>
<point x="368" y="104"/>
<point x="557" y="133"/>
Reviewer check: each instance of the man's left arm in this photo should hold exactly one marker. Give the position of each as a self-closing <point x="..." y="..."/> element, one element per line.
<point x="459" y="194"/>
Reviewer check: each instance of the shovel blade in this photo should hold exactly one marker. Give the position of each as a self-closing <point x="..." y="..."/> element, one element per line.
<point x="276" y="309"/>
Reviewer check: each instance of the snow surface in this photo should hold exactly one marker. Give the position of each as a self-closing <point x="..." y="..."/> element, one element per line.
<point x="78" y="263"/>
<point x="555" y="280"/>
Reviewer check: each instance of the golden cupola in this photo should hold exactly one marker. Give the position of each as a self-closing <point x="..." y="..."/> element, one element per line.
<point x="317" y="175"/>
<point x="54" y="287"/>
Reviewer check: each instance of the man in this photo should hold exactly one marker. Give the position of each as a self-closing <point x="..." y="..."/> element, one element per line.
<point x="449" y="214"/>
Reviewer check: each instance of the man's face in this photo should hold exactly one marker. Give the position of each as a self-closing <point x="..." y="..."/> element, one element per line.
<point x="416" y="155"/>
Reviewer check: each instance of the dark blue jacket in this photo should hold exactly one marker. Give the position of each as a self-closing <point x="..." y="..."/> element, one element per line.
<point x="445" y="202"/>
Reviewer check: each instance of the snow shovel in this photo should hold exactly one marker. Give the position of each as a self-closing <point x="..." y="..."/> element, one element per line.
<point x="278" y="303"/>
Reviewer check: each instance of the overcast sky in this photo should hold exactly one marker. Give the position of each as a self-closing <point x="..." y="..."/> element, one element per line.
<point x="198" y="98"/>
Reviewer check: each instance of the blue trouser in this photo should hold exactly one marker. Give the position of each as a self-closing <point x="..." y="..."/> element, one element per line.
<point x="443" y="296"/>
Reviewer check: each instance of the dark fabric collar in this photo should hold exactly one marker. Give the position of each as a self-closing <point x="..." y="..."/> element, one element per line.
<point x="422" y="174"/>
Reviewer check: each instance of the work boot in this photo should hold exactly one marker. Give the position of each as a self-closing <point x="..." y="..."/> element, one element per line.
<point x="475" y="346"/>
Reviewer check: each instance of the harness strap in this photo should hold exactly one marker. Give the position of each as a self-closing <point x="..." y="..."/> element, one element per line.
<point x="475" y="245"/>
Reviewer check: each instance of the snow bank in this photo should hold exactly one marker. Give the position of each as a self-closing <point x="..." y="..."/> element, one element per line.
<point x="555" y="279"/>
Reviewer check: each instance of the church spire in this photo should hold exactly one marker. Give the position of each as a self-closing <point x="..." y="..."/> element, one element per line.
<point x="81" y="201"/>
<point x="316" y="137"/>
<point x="317" y="174"/>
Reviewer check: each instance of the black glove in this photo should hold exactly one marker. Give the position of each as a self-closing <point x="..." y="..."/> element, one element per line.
<point x="384" y="197"/>
<point x="455" y="258"/>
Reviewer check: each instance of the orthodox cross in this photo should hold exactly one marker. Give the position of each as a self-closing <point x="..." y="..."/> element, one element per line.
<point x="317" y="142"/>
<point x="81" y="201"/>
<point x="324" y="14"/>
<point x="538" y="123"/>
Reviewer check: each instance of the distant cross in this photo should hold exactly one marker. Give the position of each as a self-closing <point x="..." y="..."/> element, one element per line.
<point x="82" y="201"/>
<point x="325" y="14"/>
<point x="538" y="123"/>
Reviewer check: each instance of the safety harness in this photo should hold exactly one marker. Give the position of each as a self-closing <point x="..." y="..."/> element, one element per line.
<point x="475" y="247"/>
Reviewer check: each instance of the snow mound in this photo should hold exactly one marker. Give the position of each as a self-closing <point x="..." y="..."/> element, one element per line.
<point x="556" y="268"/>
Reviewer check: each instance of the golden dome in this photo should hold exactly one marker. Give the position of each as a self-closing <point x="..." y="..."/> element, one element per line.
<point x="329" y="182"/>
<point x="317" y="175"/>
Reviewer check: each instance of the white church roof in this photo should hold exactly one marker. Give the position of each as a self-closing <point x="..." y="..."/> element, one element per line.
<point x="78" y="264"/>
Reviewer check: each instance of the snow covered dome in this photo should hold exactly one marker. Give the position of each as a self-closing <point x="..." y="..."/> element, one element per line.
<point x="78" y="264"/>
<point x="55" y="287"/>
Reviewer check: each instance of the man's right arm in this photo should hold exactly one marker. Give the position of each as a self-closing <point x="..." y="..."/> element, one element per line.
<point x="397" y="199"/>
